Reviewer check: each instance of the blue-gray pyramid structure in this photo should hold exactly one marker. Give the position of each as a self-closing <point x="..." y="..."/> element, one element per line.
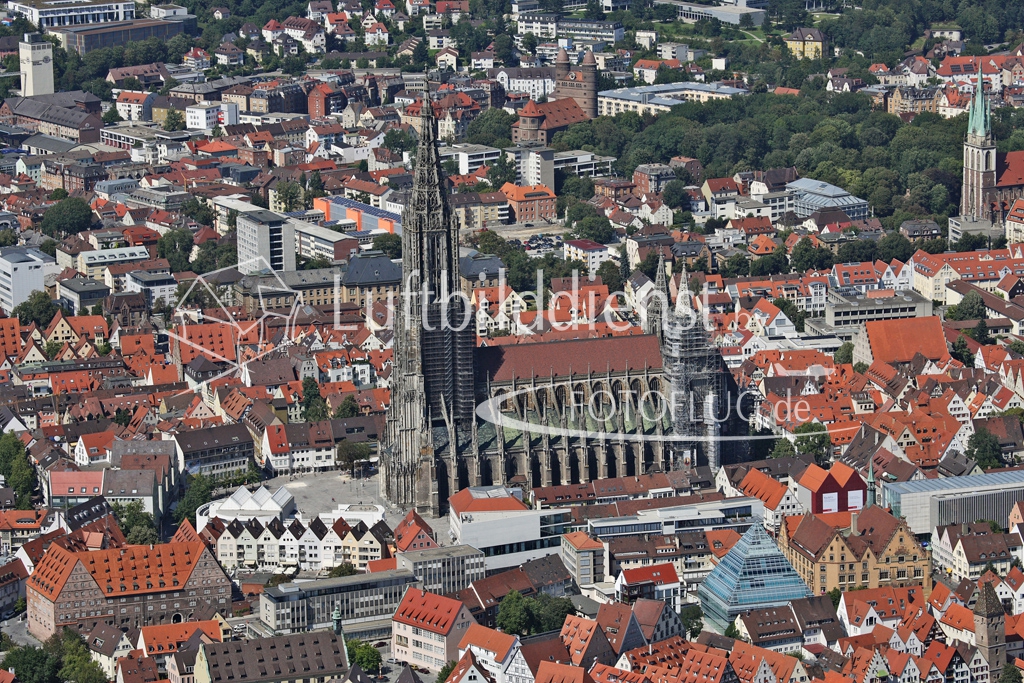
<point x="754" y="574"/>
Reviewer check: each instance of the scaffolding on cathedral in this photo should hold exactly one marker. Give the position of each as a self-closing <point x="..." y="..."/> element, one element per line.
<point x="694" y="378"/>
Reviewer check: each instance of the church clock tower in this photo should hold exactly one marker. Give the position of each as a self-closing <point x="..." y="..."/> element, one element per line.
<point x="979" y="159"/>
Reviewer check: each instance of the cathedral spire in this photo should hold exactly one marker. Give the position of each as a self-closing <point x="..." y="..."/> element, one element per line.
<point x="659" y="279"/>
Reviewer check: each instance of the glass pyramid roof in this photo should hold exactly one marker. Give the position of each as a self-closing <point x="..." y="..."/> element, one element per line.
<point x="754" y="574"/>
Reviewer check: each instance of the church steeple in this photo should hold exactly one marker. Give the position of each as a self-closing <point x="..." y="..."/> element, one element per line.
<point x="978" y="192"/>
<point x="658" y="301"/>
<point x="979" y="122"/>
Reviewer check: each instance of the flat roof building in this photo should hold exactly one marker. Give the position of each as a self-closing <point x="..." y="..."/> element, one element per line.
<point x="654" y="99"/>
<point x="57" y="13"/>
<point x="23" y="270"/>
<point x="928" y="503"/>
<point x="727" y="14"/>
<point x="366" y="602"/>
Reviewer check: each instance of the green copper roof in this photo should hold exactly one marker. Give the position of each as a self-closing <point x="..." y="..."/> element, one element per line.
<point x="979" y="121"/>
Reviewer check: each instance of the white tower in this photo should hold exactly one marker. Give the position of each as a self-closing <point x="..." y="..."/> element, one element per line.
<point x="36" y="57"/>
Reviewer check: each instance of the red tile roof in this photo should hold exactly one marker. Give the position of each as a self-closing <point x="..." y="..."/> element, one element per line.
<point x="428" y="611"/>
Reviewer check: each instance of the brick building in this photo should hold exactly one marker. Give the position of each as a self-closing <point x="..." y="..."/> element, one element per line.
<point x="128" y="588"/>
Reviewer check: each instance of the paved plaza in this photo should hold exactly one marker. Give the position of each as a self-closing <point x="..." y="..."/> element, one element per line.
<point x="324" y="492"/>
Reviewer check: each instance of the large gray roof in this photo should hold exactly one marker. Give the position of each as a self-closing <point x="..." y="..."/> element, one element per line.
<point x="372" y="269"/>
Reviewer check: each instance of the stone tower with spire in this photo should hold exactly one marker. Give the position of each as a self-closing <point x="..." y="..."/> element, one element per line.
<point x="990" y="630"/>
<point x="979" y="159"/>
<point x="432" y="392"/>
<point x="658" y="303"/>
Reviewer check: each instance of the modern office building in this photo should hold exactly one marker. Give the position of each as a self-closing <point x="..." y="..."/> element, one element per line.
<point x="444" y="570"/>
<point x="929" y="503"/>
<point x="847" y="311"/>
<point x="655" y="99"/>
<point x="48" y="14"/>
<point x="79" y="294"/>
<point x="23" y="270"/>
<point x="727" y="513"/>
<point x="83" y="39"/>
<point x="265" y="239"/>
<point x="317" y="241"/>
<point x="753" y="575"/>
<point x="470" y="157"/>
<point x="508" y="532"/>
<point x="93" y="263"/>
<point x="153" y="286"/>
<point x="815" y="195"/>
<point x="727" y="14"/>
<point x="366" y="602"/>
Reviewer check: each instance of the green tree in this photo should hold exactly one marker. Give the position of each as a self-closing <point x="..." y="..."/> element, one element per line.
<point x="67" y="217"/>
<point x="980" y="333"/>
<point x="783" y="449"/>
<point x="390" y="244"/>
<point x="971" y="307"/>
<point x="174" y="120"/>
<point x="52" y="348"/>
<point x="492" y="128"/>
<point x="33" y="665"/>
<point x="111" y="116"/>
<point x="609" y="273"/>
<point x="502" y="171"/>
<point x="530" y="42"/>
<point x="894" y="246"/>
<point x="597" y="229"/>
<point x="731" y="631"/>
<point x="1010" y="674"/>
<point x="580" y="187"/>
<point x="314" y="407"/>
<point x="548" y="613"/>
<point x="136" y="524"/>
<point x="835" y="595"/>
<point x="364" y="654"/>
<point x="289" y="195"/>
<point x="962" y="352"/>
<point x="812" y="439"/>
<point x="349" y="407"/>
<point x="197" y="493"/>
<point x="693" y="620"/>
<point x="38" y="308"/>
<point x="343" y="569"/>
<point x="514" y="614"/>
<point x="860" y="367"/>
<point x="675" y="195"/>
<point x="398" y="141"/>
<point x="445" y="672"/>
<point x="1017" y="346"/>
<point x="349" y="453"/>
<point x="844" y="354"/>
<point x="983" y="447"/>
<point x="176" y="247"/>
<point x="49" y="246"/>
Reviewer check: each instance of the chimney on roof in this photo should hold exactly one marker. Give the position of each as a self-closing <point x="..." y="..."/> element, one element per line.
<point x="853" y="524"/>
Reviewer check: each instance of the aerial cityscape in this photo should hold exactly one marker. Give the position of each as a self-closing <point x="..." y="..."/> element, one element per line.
<point x="512" y="341"/>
